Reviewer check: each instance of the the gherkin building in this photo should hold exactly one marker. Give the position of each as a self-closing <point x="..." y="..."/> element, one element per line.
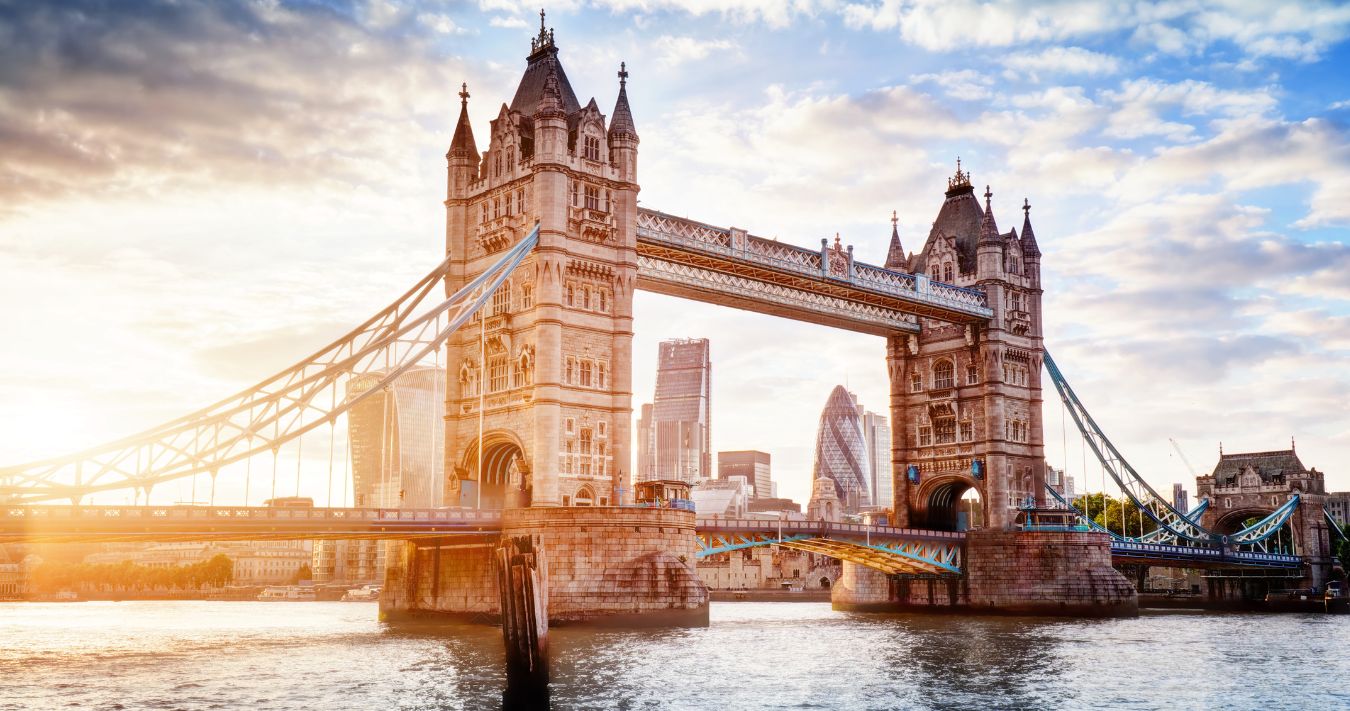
<point x="841" y="450"/>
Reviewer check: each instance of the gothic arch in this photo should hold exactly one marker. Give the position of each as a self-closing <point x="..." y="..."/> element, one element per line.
<point x="506" y="480"/>
<point x="938" y="501"/>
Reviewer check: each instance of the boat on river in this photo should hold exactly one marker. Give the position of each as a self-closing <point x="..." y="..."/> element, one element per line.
<point x="365" y="593"/>
<point x="287" y="593"/>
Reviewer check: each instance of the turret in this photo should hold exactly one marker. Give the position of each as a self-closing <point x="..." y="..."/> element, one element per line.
<point x="989" y="248"/>
<point x="895" y="256"/>
<point x="462" y="158"/>
<point x="1031" y="251"/>
<point x="623" y="138"/>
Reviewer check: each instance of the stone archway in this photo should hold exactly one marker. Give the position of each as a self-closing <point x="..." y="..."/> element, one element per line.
<point x="952" y="504"/>
<point x="505" y="481"/>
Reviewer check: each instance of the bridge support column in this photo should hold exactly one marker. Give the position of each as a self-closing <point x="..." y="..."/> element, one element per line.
<point x="607" y="565"/>
<point x="1065" y="573"/>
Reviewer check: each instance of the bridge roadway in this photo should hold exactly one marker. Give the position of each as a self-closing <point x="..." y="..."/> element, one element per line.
<point x="894" y="550"/>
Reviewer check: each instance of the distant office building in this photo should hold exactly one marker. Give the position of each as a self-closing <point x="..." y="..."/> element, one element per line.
<point x="752" y="465"/>
<point x="679" y="427"/>
<point x="1180" y="500"/>
<point x="1059" y="481"/>
<point x="773" y="504"/>
<point x="398" y="441"/>
<point x="348" y="561"/>
<point x="721" y="498"/>
<point x="841" y="452"/>
<point x="646" y="445"/>
<point x="1338" y="505"/>
<point x="877" y="436"/>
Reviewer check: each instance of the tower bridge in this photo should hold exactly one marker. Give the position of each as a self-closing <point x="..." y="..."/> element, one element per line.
<point x="545" y="246"/>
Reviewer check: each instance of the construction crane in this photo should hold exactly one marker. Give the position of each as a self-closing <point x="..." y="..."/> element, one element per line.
<point x="1190" y="467"/>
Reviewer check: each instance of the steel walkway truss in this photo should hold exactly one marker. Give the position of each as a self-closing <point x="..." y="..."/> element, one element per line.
<point x="891" y="550"/>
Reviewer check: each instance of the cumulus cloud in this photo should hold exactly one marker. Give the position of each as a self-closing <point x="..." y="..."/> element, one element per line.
<point x="673" y="51"/>
<point x="1061" y="61"/>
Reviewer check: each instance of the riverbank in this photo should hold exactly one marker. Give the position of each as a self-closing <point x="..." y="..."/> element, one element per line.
<point x="770" y="595"/>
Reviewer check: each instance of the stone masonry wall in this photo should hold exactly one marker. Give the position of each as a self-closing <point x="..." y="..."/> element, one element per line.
<point x="1006" y="572"/>
<point x="605" y="565"/>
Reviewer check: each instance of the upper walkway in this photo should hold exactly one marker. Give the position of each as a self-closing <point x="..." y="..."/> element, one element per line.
<point x="686" y="258"/>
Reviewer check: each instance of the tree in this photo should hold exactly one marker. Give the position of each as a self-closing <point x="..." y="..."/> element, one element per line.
<point x="302" y="573"/>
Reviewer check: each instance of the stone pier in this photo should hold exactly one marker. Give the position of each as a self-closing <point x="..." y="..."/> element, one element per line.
<point x="1006" y="572"/>
<point x="606" y="565"/>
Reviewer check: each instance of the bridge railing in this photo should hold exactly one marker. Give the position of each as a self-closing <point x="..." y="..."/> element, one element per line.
<point x="251" y="513"/>
<point x="820" y="527"/>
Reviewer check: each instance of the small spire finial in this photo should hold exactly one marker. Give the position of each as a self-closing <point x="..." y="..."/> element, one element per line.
<point x="987" y="194"/>
<point x="1026" y="207"/>
<point x="895" y="219"/>
<point x="623" y="74"/>
<point x="1291" y="443"/>
<point x="464" y="94"/>
<point x="541" y="22"/>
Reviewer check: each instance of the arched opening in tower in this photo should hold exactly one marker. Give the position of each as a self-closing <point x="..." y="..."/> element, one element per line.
<point x="503" y="482"/>
<point x="1281" y="541"/>
<point x="955" y="506"/>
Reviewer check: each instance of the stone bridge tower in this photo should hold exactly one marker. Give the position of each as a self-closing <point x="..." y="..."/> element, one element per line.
<point x="549" y="357"/>
<point x="966" y="400"/>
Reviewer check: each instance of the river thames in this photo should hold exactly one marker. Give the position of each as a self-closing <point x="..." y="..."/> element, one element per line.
<point x="254" y="655"/>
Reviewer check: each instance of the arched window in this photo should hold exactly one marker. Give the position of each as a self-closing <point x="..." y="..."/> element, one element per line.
<point x="501" y="299"/>
<point x="585" y="374"/>
<point x="604" y="307"/>
<point x="915" y="383"/>
<point x="509" y="197"/>
<point x="601" y="378"/>
<point x="947" y="272"/>
<point x="584" y="497"/>
<point x="526" y="299"/>
<point x="972" y="374"/>
<point x="498" y="368"/>
<point x="571" y="299"/>
<point x="944" y="375"/>
<point x="586" y="297"/>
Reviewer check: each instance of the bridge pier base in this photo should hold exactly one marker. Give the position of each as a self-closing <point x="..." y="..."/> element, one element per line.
<point x="606" y="566"/>
<point x="1006" y="572"/>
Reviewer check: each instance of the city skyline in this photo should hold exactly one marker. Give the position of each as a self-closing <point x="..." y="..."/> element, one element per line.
<point x="1124" y="125"/>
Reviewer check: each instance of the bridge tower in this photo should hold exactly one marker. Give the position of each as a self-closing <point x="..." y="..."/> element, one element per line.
<point x="548" y="360"/>
<point x="966" y="400"/>
<point x="1252" y="485"/>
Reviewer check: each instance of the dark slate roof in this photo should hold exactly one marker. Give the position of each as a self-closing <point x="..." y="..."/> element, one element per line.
<point x="531" y="88"/>
<point x="462" y="144"/>
<point x="622" y="119"/>
<point x="960" y="216"/>
<point x="1267" y="464"/>
<point x="1029" y="246"/>
<point x="895" y="256"/>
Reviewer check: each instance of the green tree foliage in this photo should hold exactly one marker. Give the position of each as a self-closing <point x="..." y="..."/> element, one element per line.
<point x="1115" y="515"/>
<point x="54" y="576"/>
<point x="302" y="573"/>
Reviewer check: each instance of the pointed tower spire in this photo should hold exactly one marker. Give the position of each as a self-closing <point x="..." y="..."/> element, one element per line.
<point x="622" y="121"/>
<point x="1029" y="246"/>
<point x="988" y="228"/>
<point x="551" y="100"/>
<point x="895" y="256"/>
<point x="463" y="145"/>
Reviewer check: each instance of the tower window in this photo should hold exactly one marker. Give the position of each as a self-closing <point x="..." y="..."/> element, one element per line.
<point x="972" y="374"/>
<point x="943" y="375"/>
<point x="945" y="429"/>
<point x="592" y="197"/>
<point x="497" y="371"/>
<point x="571" y="298"/>
<point x="925" y="435"/>
<point x="508" y="202"/>
<point x="967" y="431"/>
<point x="574" y="194"/>
<point x="501" y="299"/>
<point x="526" y="296"/>
<point x="591" y="148"/>
<point x="585" y="374"/>
<point x="604" y="307"/>
<point x="947" y="272"/>
<point x="915" y="383"/>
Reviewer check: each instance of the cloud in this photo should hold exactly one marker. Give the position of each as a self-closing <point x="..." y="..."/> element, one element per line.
<point x="964" y="84"/>
<point x="507" y="21"/>
<point x="1062" y="60"/>
<point x="672" y="51"/>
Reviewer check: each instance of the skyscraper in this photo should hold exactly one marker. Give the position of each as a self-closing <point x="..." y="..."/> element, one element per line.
<point x="841" y="451"/>
<point x="397" y="441"/>
<point x="646" y="445"/>
<point x="877" y="435"/>
<point x="679" y="425"/>
<point x="752" y="465"/>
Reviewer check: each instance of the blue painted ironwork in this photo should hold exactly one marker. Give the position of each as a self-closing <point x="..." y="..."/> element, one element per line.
<point x="893" y="550"/>
<point x="977" y="468"/>
<point x="913" y="473"/>
<point x="1177" y="525"/>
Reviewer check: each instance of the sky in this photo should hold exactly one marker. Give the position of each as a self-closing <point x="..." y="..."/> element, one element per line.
<point x="193" y="196"/>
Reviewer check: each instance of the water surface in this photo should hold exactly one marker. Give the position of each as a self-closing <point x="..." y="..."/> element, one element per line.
<point x="263" y="656"/>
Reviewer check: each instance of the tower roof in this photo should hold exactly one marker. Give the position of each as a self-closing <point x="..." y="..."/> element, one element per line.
<point x="463" y="145"/>
<point x="621" y="121"/>
<point x="895" y="256"/>
<point x="543" y="57"/>
<point x="1029" y="246"/>
<point x="988" y="228"/>
<point x="959" y="217"/>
